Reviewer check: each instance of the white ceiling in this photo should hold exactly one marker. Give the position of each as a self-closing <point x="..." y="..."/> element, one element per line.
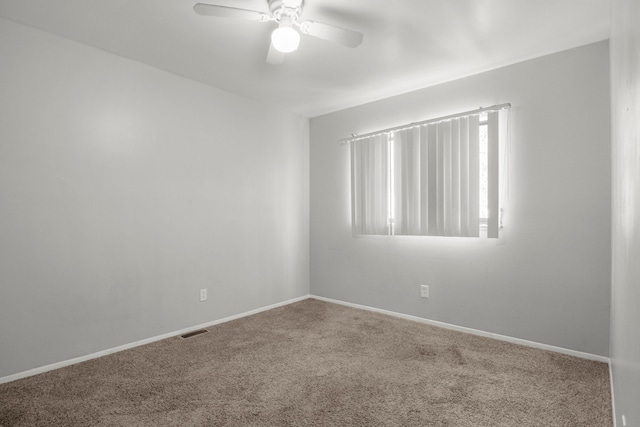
<point x="408" y="44"/>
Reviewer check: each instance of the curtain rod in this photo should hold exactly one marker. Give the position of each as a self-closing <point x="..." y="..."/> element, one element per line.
<point x="497" y="107"/>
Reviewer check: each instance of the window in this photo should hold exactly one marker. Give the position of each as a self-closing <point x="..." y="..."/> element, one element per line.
<point x="435" y="178"/>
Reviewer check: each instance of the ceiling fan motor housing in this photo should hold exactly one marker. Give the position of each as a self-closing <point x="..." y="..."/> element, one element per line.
<point x="285" y="8"/>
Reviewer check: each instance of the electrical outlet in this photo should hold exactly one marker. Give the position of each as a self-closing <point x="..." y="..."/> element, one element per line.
<point x="424" y="291"/>
<point x="203" y="295"/>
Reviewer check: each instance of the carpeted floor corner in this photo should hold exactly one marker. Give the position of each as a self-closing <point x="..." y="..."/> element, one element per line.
<point x="314" y="363"/>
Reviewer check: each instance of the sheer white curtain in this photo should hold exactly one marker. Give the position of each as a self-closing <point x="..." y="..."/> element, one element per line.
<point x="493" y="187"/>
<point x="425" y="179"/>
<point x="370" y="196"/>
<point x="436" y="179"/>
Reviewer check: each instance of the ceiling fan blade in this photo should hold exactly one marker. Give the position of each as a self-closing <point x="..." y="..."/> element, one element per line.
<point x="230" y="12"/>
<point x="274" y="56"/>
<point x="332" y="33"/>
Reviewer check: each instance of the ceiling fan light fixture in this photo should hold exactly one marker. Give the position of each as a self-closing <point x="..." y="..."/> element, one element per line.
<point x="285" y="39"/>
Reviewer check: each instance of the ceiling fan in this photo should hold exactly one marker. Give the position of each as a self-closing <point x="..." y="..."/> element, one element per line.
<point x="285" y="38"/>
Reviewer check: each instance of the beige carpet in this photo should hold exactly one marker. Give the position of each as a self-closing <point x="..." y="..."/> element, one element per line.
<point x="313" y="364"/>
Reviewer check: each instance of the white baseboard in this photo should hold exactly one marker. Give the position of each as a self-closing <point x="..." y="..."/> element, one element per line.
<point x="533" y="344"/>
<point x="613" y="400"/>
<point x="75" y="360"/>
<point x="527" y="343"/>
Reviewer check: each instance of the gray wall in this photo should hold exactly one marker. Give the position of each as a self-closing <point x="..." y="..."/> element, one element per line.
<point x="124" y="190"/>
<point x="547" y="279"/>
<point x="625" y="319"/>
